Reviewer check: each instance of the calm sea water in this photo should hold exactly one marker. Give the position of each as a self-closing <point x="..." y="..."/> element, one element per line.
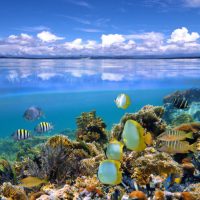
<point x="65" y="88"/>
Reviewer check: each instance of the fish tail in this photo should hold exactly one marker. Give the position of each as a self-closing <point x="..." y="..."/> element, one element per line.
<point x="189" y="135"/>
<point x="193" y="147"/>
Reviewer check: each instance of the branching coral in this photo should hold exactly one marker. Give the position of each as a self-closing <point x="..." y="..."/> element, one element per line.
<point x="61" y="159"/>
<point x="150" y="117"/>
<point x="141" y="165"/>
<point x="91" y="128"/>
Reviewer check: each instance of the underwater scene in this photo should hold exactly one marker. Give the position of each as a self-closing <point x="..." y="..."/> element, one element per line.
<point x="110" y="129"/>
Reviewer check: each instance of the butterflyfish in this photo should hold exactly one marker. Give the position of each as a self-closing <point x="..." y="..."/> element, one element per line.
<point x="109" y="172"/>
<point x="114" y="150"/>
<point x="123" y="101"/>
<point x="133" y="136"/>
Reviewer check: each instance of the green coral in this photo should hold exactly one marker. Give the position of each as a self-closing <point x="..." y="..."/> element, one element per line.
<point x="182" y="119"/>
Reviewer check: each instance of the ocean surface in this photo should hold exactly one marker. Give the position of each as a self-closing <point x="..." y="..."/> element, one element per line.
<point x="65" y="88"/>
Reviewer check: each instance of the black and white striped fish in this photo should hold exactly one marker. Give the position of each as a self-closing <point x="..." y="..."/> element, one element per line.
<point x="21" y="134"/>
<point x="180" y="103"/>
<point x="43" y="127"/>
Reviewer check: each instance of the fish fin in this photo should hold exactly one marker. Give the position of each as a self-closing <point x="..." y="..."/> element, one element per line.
<point x="190" y="135"/>
<point x="148" y="139"/>
<point x="193" y="147"/>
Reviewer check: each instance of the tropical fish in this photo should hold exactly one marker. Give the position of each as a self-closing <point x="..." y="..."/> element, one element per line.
<point x="180" y="102"/>
<point x="133" y="136"/>
<point x="43" y="127"/>
<point x="109" y="172"/>
<point x="123" y="101"/>
<point x="33" y="113"/>
<point x="171" y="179"/>
<point x="172" y="135"/>
<point x="174" y="147"/>
<point x="30" y="182"/>
<point x="21" y="134"/>
<point x="114" y="150"/>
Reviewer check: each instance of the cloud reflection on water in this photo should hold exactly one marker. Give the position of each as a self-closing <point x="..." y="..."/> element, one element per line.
<point x="97" y="74"/>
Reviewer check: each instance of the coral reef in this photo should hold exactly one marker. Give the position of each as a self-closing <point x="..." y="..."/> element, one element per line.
<point x="91" y="128"/>
<point x="142" y="165"/>
<point x="191" y="113"/>
<point x="6" y="172"/>
<point x="150" y="117"/>
<point x="191" y="95"/>
<point x="61" y="159"/>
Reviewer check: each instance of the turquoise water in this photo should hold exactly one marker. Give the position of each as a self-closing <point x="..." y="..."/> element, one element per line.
<point x="65" y="88"/>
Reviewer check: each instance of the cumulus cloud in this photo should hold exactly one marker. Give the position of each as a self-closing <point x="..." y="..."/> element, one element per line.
<point x="47" y="36"/>
<point x="182" y="35"/>
<point x="111" y="39"/>
<point x="45" y="44"/>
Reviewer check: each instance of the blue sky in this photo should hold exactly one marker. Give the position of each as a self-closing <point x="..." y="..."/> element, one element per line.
<point x="94" y="27"/>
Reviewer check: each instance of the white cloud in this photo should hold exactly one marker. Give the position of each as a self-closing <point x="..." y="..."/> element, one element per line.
<point x="46" y="36"/>
<point x="182" y="35"/>
<point x="45" y="44"/>
<point x="75" y="44"/>
<point x="192" y="3"/>
<point x="111" y="39"/>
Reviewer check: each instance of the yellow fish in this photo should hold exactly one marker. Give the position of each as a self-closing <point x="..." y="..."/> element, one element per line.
<point x="123" y="101"/>
<point x="133" y="136"/>
<point x="30" y="182"/>
<point x="172" y="135"/>
<point x="174" y="147"/>
<point x="109" y="172"/>
<point x="114" y="150"/>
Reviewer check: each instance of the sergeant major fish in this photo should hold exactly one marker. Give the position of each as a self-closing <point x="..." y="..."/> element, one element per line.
<point x="180" y="102"/>
<point x="43" y="127"/>
<point x="21" y="134"/>
<point x="172" y="135"/>
<point x="174" y="147"/>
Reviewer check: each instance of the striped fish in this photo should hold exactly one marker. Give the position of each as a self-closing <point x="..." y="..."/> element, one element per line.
<point x="180" y="103"/>
<point x="174" y="147"/>
<point x="43" y="127"/>
<point x="172" y="135"/>
<point x="21" y="134"/>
